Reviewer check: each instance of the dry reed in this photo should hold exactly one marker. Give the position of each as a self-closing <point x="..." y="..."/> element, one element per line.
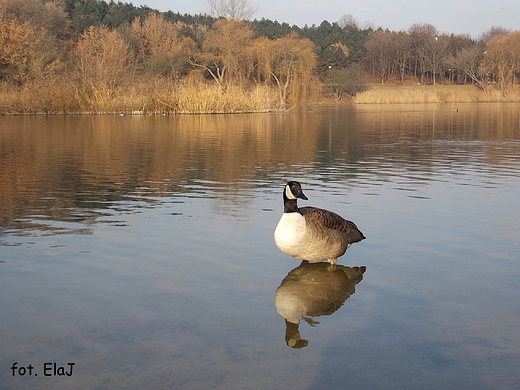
<point x="435" y="94"/>
<point x="52" y="98"/>
<point x="159" y="96"/>
<point x="152" y="97"/>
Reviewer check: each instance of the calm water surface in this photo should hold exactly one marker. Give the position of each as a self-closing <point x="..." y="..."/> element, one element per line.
<point x="141" y="250"/>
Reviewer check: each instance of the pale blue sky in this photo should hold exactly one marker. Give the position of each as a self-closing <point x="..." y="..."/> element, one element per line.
<point x="450" y="16"/>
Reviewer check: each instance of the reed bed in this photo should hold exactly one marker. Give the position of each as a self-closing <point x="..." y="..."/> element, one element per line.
<point x="435" y="94"/>
<point x="152" y="97"/>
<point x="190" y="96"/>
<point x="38" y="99"/>
<point x="205" y="98"/>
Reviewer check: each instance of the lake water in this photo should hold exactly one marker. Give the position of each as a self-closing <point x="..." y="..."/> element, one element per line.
<point x="141" y="250"/>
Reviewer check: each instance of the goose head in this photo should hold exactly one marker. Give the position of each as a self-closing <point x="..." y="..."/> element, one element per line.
<point x="291" y="192"/>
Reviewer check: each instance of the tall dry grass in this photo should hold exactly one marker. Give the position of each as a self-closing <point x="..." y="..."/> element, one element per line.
<point x="159" y="96"/>
<point x="152" y="97"/>
<point x="51" y="98"/>
<point x="435" y="94"/>
<point x="203" y="98"/>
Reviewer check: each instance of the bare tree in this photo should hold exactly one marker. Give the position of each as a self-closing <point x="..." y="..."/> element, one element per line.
<point x="231" y="9"/>
<point x="458" y="42"/>
<point x="401" y="46"/>
<point x="435" y="53"/>
<point x="468" y="60"/>
<point x="419" y="34"/>
<point x="494" y="32"/>
<point x="348" y="20"/>
<point x="380" y="53"/>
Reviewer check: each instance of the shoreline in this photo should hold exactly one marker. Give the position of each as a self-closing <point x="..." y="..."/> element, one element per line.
<point x="374" y="94"/>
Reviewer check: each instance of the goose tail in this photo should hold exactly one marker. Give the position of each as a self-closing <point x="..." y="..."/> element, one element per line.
<point x="356" y="235"/>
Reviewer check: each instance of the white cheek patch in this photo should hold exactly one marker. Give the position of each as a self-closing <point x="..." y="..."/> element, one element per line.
<point x="289" y="193"/>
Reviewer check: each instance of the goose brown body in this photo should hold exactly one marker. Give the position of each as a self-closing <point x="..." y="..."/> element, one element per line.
<point x="311" y="233"/>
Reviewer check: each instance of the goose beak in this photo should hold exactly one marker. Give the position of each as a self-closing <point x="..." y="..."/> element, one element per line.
<point x="301" y="195"/>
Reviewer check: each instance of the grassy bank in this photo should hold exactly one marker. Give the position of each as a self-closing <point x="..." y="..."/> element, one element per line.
<point x="435" y="94"/>
<point x="153" y="97"/>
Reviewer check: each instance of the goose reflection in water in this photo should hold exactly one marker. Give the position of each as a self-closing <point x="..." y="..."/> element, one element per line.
<point x="313" y="289"/>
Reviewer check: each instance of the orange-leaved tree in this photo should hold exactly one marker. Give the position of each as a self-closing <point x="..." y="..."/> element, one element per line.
<point x="158" y="46"/>
<point x="226" y="52"/>
<point x="502" y="60"/>
<point x="24" y="49"/>
<point x="290" y="62"/>
<point x="102" y="60"/>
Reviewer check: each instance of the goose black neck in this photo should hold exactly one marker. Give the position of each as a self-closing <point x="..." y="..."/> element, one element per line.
<point x="290" y="205"/>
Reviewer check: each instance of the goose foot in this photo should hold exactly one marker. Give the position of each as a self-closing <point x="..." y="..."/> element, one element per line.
<point x="332" y="266"/>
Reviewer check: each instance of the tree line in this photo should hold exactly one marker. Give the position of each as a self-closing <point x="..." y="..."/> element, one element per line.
<point x="91" y="46"/>
<point x="431" y="56"/>
<point x="82" y="42"/>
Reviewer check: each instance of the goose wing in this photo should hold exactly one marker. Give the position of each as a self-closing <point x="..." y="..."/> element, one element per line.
<point x="333" y="221"/>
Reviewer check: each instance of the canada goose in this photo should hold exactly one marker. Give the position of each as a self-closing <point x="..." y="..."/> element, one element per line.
<point x="313" y="289"/>
<point x="310" y="233"/>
